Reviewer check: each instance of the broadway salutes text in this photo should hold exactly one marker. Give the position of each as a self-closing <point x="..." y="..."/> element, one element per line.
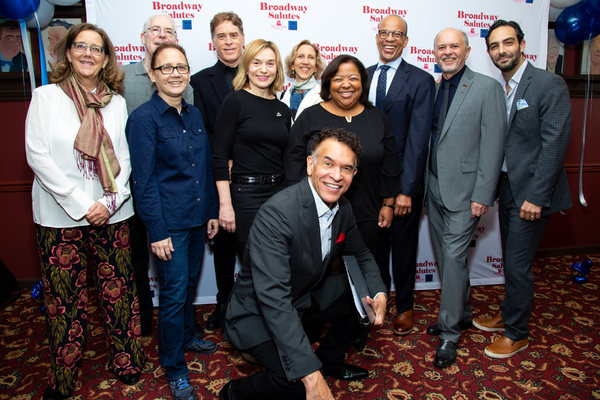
<point x="177" y="9"/>
<point x="283" y="11"/>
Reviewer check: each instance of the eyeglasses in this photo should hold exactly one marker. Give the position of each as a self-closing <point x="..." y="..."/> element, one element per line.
<point x="395" y="34"/>
<point x="81" y="47"/>
<point x="168" y="69"/>
<point x="156" y="30"/>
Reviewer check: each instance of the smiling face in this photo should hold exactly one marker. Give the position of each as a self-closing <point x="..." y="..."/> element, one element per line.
<point x="262" y="71"/>
<point x="170" y="87"/>
<point x="87" y="66"/>
<point x="332" y="170"/>
<point x="151" y="41"/>
<point x="305" y="63"/>
<point x="389" y="48"/>
<point x="505" y="50"/>
<point x="229" y="42"/>
<point x="346" y="86"/>
<point x="55" y="34"/>
<point x="451" y="52"/>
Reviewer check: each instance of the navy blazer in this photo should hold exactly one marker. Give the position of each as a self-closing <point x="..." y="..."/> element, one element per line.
<point x="283" y="275"/>
<point x="409" y="107"/>
<point x="210" y="89"/>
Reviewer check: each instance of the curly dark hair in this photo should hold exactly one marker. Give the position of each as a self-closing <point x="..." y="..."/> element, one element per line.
<point x="501" y="22"/>
<point x="112" y="76"/>
<point x="332" y="69"/>
<point x="341" y="135"/>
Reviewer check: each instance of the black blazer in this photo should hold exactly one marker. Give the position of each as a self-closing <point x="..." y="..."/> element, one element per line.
<point x="210" y="89"/>
<point x="409" y="107"/>
<point x="283" y="275"/>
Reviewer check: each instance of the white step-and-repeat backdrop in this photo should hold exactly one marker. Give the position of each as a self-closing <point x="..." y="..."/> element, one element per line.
<point x="347" y="27"/>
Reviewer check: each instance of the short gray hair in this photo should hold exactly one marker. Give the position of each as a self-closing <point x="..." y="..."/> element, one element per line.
<point x="464" y="35"/>
<point x="147" y="23"/>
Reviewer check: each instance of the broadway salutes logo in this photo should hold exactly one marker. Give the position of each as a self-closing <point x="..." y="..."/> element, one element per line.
<point x="424" y="58"/>
<point x="286" y="15"/>
<point x="329" y="52"/>
<point x="178" y="10"/>
<point x="377" y="14"/>
<point x="496" y="264"/>
<point x="426" y="270"/>
<point x="129" y="54"/>
<point x="476" y="24"/>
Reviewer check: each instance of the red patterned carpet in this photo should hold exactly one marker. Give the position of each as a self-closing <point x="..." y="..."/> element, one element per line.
<point x="562" y="361"/>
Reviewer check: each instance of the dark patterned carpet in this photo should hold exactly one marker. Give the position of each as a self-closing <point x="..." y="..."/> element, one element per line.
<point x="562" y="361"/>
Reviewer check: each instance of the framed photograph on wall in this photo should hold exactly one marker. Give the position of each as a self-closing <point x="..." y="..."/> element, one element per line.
<point x="556" y="54"/>
<point x="590" y="57"/>
<point x="52" y="34"/>
<point x="12" y="56"/>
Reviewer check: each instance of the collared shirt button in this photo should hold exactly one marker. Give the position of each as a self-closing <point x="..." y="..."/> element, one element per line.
<point x="184" y="131"/>
<point x="193" y="165"/>
<point x="198" y="199"/>
<point x="190" y="147"/>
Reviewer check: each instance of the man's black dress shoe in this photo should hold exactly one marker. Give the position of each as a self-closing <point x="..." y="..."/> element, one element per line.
<point x="225" y="393"/>
<point x="445" y="354"/>
<point x="433" y="330"/>
<point x="360" y="344"/>
<point x="214" y="320"/>
<point x="130" y="379"/>
<point x="346" y="372"/>
<point x="52" y="394"/>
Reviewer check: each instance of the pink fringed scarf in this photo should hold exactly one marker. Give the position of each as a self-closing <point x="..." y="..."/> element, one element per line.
<point x="94" y="150"/>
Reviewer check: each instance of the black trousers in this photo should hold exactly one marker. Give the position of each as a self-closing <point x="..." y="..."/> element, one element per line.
<point x="403" y="239"/>
<point x="272" y="382"/>
<point x="224" y="259"/>
<point x="139" y="261"/>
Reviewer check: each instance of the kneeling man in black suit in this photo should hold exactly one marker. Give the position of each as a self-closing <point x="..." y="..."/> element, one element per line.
<point x="290" y="285"/>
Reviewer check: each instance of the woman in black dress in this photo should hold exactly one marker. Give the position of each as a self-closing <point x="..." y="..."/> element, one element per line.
<point x="251" y="131"/>
<point x="345" y="92"/>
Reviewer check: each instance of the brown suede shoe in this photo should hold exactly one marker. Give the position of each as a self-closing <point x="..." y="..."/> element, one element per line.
<point x="403" y="323"/>
<point x="505" y="347"/>
<point x="489" y="324"/>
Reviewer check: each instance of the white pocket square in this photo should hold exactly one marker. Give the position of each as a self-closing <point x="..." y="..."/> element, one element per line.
<point x="521" y="104"/>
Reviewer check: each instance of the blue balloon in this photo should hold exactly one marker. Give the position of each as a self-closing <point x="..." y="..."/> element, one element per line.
<point x="18" y="9"/>
<point x="574" y="24"/>
<point x="592" y="7"/>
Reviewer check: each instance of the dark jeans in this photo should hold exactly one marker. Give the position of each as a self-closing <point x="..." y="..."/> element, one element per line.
<point x="178" y="278"/>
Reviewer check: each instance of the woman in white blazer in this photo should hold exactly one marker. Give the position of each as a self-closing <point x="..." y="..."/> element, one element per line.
<point x="304" y="65"/>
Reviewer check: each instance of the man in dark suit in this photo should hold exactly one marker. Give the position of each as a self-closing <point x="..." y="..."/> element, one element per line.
<point x="211" y="86"/>
<point x="406" y="94"/>
<point x="533" y="182"/>
<point x="290" y="283"/>
<point x="467" y="143"/>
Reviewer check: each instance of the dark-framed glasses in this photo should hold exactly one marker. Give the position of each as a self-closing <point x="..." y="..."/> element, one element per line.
<point x="81" y="47"/>
<point x="383" y="33"/>
<point x="168" y="69"/>
<point x="156" y="30"/>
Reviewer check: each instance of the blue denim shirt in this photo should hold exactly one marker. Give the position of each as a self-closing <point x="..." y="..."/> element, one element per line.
<point x="171" y="162"/>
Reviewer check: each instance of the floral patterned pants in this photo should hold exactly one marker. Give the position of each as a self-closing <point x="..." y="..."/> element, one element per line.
<point x="64" y="255"/>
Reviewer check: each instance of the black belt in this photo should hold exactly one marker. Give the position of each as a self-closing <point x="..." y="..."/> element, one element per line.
<point x="275" y="179"/>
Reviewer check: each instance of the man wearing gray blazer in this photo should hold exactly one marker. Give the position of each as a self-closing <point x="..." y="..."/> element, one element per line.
<point x="467" y="143"/>
<point x="533" y="183"/>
